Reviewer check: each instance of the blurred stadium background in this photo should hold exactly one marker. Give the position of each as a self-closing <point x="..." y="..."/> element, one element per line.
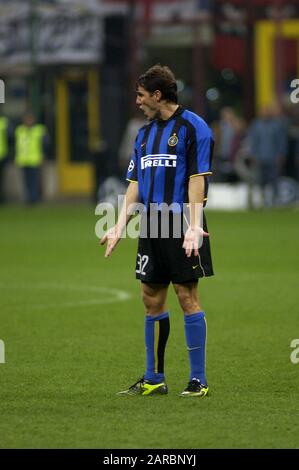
<point x="73" y="64"/>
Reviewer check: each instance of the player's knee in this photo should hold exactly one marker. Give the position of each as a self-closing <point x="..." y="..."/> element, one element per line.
<point x="188" y="305"/>
<point x="152" y="304"/>
<point x="187" y="302"/>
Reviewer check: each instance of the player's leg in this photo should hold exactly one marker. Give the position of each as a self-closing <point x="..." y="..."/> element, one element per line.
<point x="152" y="271"/>
<point x="156" y="329"/>
<point x="195" y="332"/>
<point x="156" y="333"/>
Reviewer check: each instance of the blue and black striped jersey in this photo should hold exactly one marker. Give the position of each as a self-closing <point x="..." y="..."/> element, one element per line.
<point x="168" y="153"/>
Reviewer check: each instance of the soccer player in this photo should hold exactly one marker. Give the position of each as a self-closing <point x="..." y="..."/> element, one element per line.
<point x="171" y="164"/>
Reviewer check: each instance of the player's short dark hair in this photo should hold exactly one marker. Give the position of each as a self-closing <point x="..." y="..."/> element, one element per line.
<point x="159" y="77"/>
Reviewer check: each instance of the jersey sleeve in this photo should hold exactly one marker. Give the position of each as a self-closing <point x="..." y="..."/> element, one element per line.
<point x="200" y="151"/>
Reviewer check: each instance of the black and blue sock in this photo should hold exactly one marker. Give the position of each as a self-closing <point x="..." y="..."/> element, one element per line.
<point x="156" y="334"/>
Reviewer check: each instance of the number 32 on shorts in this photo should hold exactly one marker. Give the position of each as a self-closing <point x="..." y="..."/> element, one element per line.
<point x="141" y="264"/>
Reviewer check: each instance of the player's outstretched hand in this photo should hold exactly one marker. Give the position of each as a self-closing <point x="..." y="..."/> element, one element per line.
<point x="193" y="240"/>
<point x="112" y="237"/>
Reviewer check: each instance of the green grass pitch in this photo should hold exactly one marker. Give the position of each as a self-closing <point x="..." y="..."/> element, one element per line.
<point x="72" y="324"/>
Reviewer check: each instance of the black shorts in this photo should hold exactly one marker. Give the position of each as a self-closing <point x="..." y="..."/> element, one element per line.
<point x="163" y="260"/>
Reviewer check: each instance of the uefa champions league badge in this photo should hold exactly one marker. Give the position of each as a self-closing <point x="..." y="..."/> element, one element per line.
<point x="131" y="165"/>
<point x="173" y="140"/>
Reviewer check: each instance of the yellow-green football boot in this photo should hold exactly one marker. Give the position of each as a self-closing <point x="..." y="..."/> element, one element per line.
<point x="144" y="387"/>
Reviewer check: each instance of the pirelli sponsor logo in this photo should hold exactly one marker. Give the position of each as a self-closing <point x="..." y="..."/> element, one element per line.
<point x="158" y="159"/>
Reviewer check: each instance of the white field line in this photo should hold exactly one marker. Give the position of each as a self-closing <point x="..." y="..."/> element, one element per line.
<point x="106" y="295"/>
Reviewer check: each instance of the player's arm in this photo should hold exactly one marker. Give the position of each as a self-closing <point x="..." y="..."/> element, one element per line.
<point x="195" y="232"/>
<point x="113" y="235"/>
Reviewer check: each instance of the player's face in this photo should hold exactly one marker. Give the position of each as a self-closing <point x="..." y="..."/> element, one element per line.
<point x="148" y="102"/>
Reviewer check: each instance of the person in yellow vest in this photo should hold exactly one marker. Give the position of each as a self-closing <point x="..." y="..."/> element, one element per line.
<point x="5" y="141"/>
<point x="30" y="143"/>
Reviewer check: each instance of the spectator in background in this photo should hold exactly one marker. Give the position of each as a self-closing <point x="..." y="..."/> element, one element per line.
<point x="229" y="132"/>
<point x="268" y="146"/>
<point x="128" y="140"/>
<point x="245" y="168"/>
<point x="240" y="129"/>
<point x="6" y="133"/>
<point x="31" y="145"/>
<point x="205" y="6"/>
<point x="100" y="161"/>
<point x="292" y="122"/>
